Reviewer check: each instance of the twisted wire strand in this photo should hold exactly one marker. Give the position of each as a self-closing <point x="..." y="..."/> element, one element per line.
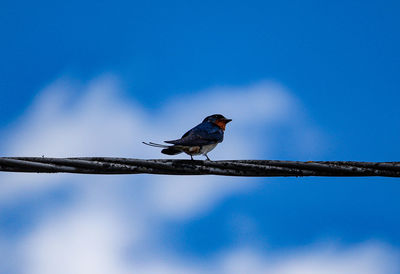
<point x="245" y="168"/>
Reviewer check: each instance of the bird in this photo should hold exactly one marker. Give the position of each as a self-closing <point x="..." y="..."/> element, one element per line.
<point x="199" y="140"/>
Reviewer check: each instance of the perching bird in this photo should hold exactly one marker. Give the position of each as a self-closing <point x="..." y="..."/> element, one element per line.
<point x="199" y="140"/>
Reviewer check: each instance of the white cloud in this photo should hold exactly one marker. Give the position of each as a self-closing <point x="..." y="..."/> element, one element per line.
<point x="113" y="214"/>
<point x="193" y="194"/>
<point x="95" y="120"/>
<point x="368" y="258"/>
<point x="93" y="239"/>
<point x="84" y="239"/>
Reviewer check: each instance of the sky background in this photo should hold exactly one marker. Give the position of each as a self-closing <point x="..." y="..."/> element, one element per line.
<point x="305" y="80"/>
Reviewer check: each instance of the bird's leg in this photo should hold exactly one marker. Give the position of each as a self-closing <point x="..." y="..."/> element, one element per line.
<point x="207" y="157"/>
<point x="191" y="157"/>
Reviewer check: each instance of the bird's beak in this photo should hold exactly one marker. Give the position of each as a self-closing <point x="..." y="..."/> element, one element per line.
<point x="227" y="120"/>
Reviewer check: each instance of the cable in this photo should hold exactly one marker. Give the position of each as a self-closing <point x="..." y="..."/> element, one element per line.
<point x="245" y="168"/>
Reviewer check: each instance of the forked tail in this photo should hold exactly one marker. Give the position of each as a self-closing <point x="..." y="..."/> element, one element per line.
<point x="169" y="150"/>
<point x="155" y="145"/>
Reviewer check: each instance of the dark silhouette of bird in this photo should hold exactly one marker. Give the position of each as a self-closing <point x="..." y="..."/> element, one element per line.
<point x="199" y="140"/>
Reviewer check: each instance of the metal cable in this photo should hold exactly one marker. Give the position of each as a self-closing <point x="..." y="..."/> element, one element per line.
<point x="245" y="168"/>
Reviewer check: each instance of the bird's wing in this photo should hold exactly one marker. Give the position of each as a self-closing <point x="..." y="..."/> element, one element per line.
<point x="203" y="134"/>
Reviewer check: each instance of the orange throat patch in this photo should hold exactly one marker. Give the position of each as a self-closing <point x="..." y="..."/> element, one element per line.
<point x="221" y="124"/>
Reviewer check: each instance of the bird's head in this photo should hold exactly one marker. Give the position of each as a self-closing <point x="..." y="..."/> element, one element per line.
<point x="217" y="119"/>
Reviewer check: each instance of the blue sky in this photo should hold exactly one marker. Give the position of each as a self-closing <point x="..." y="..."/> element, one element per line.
<point x="301" y="80"/>
<point x="340" y="58"/>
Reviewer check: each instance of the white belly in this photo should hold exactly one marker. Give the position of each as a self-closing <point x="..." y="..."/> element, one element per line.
<point x="206" y="149"/>
<point x="197" y="150"/>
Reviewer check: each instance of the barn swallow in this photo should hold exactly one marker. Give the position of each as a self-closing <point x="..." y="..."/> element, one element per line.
<point x="199" y="140"/>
